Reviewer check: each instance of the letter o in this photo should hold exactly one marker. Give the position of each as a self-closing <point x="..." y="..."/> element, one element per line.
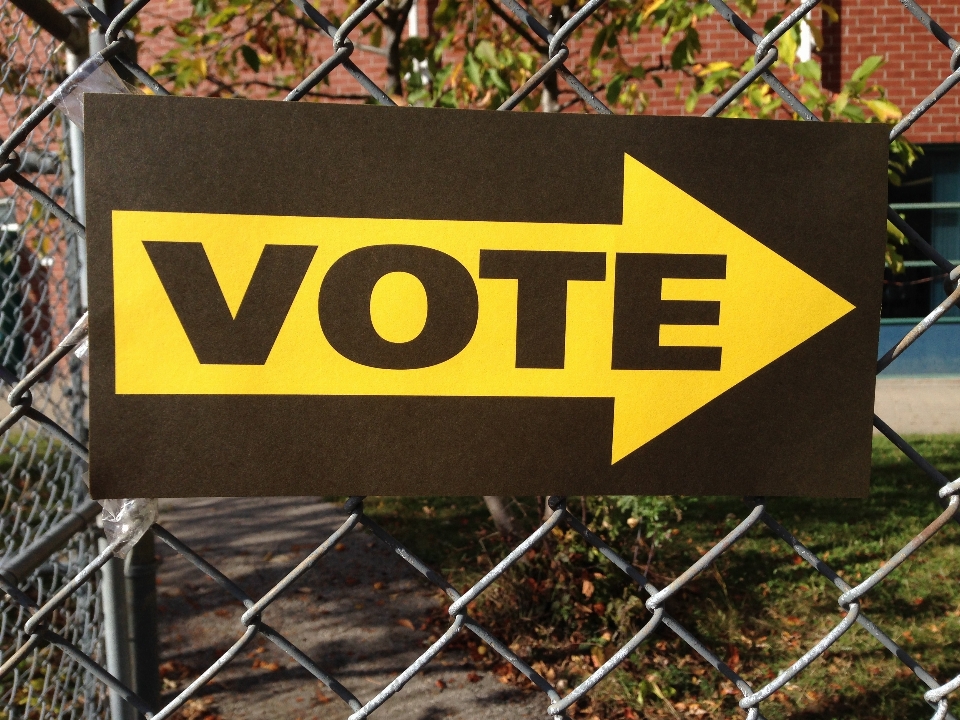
<point x="344" y="306"/>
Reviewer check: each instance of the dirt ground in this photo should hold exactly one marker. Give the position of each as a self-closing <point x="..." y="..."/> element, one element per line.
<point x="357" y="614"/>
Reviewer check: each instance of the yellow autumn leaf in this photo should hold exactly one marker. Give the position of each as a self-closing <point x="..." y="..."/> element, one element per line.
<point x="817" y="35"/>
<point x="714" y="67"/>
<point x="788" y="48"/>
<point x="652" y="8"/>
<point x="884" y="110"/>
<point x="894" y="231"/>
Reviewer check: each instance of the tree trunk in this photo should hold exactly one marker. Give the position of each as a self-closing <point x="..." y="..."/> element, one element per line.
<point x="394" y="19"/>
<point x="501" y="516"/>
<point x="550" y="97"/>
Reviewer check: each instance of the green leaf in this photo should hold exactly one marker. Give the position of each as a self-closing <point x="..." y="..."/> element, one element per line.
<point x="250" y="57"/>
<point x="772" y="22"/>
<point x="686" y="50"/>
<point x="840" y="103"/>
<point x="526" y="60"/>
<point x="599" y="41"/>
<point x="448" y="100"/>
<point x="222" y="18"/>
<point x="472" y="69"/>
<point x="496" y="81"/>
<point x="812" y="91"/>
<point x="613" y="89"/>
<point x="852" y="112"/>
<point x="809" y="70"/>
<point x="486" y="52"/>
<point x="869" y="66"/>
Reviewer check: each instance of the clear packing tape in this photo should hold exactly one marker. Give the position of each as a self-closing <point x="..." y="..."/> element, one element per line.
<point x="125" y="520"/>
<point x="95" y="75"/>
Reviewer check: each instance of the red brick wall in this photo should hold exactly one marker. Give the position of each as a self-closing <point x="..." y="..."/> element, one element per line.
<point x="916" y="62"/>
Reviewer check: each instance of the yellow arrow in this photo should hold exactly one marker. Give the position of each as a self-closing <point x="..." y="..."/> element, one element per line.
<point x="767" y="307"/>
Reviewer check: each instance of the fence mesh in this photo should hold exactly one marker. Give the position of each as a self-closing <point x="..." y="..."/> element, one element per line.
<point x="41" y="481"/>
<point x="49" y="635"/>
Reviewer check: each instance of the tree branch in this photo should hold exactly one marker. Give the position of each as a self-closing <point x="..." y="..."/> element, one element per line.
<point x="517" y="27"/>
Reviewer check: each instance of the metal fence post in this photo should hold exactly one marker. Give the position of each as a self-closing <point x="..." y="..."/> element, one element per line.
<point x="140" y="569"/>
<point x="76" y="242"/>
<point x="116" y="639"/>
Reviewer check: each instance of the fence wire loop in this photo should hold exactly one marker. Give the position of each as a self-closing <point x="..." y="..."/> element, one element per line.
<point x="32" y="614"/>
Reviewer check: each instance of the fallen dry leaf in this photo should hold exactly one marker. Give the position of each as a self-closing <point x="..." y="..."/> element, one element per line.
<point x="174" y="670"/>
<point x="268" y="666"/>
<point x="441" y="684"/>
<point x="198" y="709"/>
<point x="406" y="623"/>
<point x="587" y="589"/>
<point x="733" y="657"/>
<point x="473" y="677"/>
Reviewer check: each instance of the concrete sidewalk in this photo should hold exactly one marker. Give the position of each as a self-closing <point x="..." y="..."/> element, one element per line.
<point x="919" y="405"/>
<point x="358" y="613"/>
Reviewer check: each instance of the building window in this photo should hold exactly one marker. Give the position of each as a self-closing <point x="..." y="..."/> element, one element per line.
<point x="929" y="200"/>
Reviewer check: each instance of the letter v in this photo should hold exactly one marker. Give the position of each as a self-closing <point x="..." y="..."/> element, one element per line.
<point x="217" y="337"/>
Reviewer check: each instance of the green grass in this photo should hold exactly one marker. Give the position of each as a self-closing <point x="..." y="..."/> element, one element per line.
<point x="758" y="608"/>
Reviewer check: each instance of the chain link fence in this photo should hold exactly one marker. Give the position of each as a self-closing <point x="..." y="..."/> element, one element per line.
<point x="52" y="657"/>
<point x="41" y="483"/>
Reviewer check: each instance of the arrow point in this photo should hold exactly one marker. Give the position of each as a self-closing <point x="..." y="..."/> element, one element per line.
<point x="768" y="306"/>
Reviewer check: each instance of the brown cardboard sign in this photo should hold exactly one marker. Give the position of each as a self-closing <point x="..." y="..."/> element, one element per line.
<point x="320" y="299"/>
